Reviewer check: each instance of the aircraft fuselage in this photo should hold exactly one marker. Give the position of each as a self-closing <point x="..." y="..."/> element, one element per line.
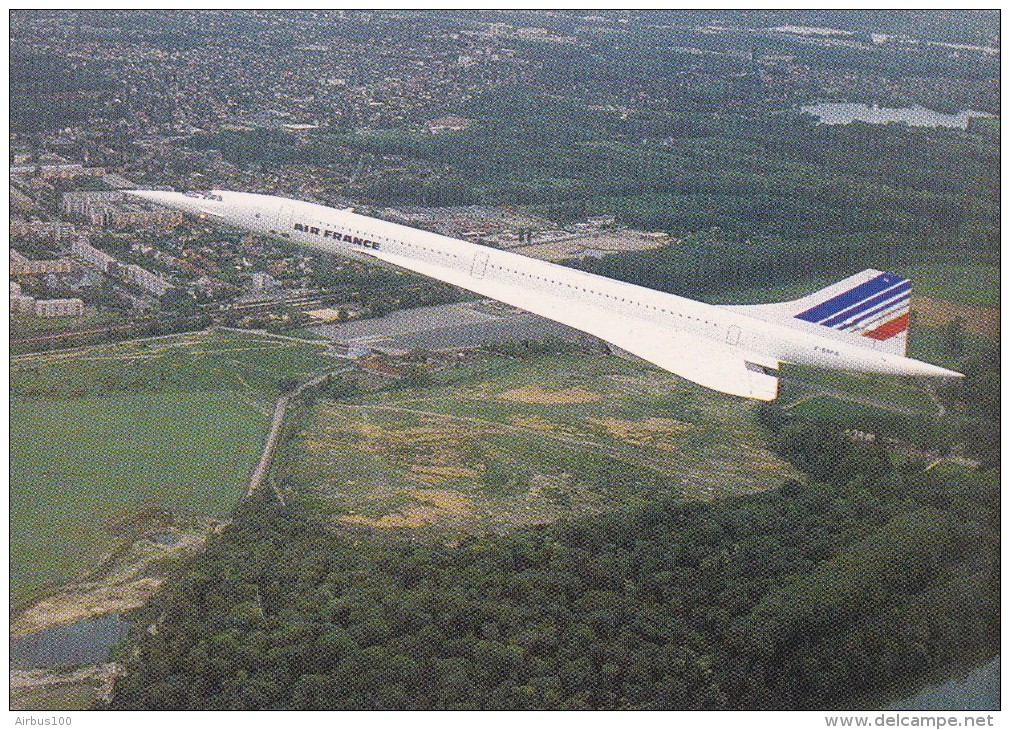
<point x="560" y="293"/>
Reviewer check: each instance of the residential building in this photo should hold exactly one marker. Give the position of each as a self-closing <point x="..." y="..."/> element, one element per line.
<point x="262" y="280"/>
<point x="57" y="172"/>
<point x="54" y="230"/>
<point x="21" y="265"/>
<point x="80" y="203"/>
<point x="150" y="283"/>
<point x="134" y="215"/>
<point x="91" y="255"/>
<point x="58" y="308"/>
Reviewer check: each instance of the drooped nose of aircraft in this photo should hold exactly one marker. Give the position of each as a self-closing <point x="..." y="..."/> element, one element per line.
<point x="199" y="204"/>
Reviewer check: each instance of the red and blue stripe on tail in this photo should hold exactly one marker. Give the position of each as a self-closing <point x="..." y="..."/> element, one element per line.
<point x="871" y="304"/>
<point x="877" y="308"/>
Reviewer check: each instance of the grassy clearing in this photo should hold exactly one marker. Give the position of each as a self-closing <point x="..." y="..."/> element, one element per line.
<point x="78" y="463"/>
<point x="174" y="421"/>
<point x="846" y="414"/>
<point x="499" y="442"/>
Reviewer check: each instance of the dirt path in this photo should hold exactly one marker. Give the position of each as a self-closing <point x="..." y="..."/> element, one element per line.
<point x="264" y="333"/>
<point x="256" y="481"/>
<point x="280" y="409"/>
<point x="71" y="352"/>
<point x="104" y="674"/>
<point x="941" y="410"/>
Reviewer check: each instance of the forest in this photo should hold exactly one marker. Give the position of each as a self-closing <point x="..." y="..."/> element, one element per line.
<point x="859" y="582"/>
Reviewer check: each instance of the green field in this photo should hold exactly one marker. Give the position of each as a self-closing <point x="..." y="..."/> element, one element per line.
<point x="500" y="442"/>
<point x="846" y="414"/>
<point x="76" y="463"/>
<point x="974" y="284"/>
<point x="205" y="361"/>
<point x="175" y="422"/>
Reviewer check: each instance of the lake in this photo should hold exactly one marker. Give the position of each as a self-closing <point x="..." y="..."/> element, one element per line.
<point x="978" y="690"/>
<point x="913" y="116"/>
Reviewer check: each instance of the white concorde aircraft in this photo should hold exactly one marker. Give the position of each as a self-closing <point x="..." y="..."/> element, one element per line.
<point x="859" y="324"/>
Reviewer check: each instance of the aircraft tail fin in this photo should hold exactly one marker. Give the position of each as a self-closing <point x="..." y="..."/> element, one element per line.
<point x="871" y="304"/>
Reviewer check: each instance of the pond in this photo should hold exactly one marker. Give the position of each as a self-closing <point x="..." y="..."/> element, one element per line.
<point x="87" y="641"/>
<point x="167" y="538"/>
<point x="913" y="116"/>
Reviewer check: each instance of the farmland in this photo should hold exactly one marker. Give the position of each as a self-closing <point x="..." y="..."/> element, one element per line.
<point x="500" y="443"/>
<point x="78" y="463"/>
<point x="100" y="433"/>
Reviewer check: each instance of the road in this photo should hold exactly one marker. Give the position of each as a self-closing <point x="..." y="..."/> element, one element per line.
<point x="276" y="422"/>
<point x="209" y="314"/>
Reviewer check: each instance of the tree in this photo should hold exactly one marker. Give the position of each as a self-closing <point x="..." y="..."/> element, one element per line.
<point x="179" y="300"/>
<point x="953" y="333"/>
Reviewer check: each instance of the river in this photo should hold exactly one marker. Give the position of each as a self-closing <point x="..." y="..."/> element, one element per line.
<point x="87" y="641"/>
<point x="978" y="690"/>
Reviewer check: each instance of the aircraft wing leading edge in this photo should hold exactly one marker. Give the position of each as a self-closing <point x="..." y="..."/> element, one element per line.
<point x="705" y="362"/>
<point x="858" y="324"/>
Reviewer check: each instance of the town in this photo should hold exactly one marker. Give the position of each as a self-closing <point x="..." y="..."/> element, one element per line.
<point x="106" y="258"/>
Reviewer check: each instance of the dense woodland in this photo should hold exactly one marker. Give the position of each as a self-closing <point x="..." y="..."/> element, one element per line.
<point x="867" y="579"/>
